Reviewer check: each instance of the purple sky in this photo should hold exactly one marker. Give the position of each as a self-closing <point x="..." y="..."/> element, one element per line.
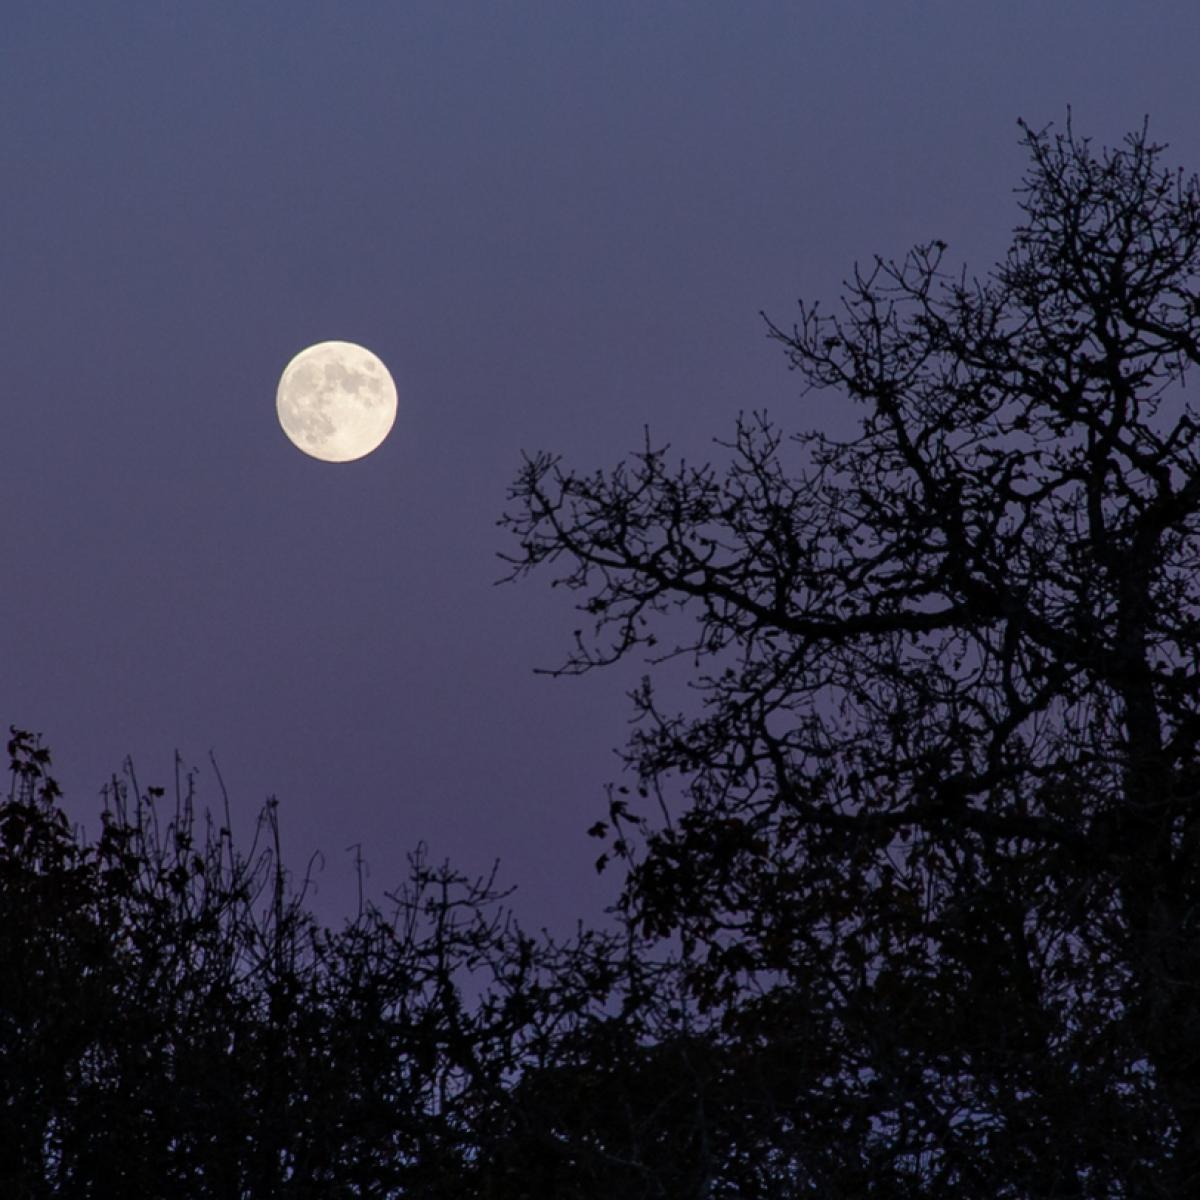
<point x="556" y="223"/>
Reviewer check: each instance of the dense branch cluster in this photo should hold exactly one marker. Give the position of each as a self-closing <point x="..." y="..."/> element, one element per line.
<point x="174" y="1022"/>
<point x="943" y="784"/>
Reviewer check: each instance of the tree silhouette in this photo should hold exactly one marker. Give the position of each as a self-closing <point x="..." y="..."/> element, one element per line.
<point x="173" y="1021"/>
<point x="931" y="841"/>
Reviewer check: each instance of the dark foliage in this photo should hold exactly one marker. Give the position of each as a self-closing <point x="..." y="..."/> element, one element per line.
<point x="933" y="840"/>
<point x="173" y="1022"/>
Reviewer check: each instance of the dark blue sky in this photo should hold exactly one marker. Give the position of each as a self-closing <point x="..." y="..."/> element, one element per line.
<point x="556" y="222"/>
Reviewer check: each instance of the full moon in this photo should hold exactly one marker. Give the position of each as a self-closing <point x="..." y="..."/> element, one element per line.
<point x="336" y="401"/>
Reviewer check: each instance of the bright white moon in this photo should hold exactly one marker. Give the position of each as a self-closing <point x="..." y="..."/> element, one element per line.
<point x="336" y="401"/>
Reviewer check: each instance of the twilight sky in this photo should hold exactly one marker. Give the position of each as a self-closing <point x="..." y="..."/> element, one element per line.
<point x="556" y="223"/>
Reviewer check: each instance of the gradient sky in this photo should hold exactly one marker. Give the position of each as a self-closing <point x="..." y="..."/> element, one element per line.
<point x="557" y="223"/>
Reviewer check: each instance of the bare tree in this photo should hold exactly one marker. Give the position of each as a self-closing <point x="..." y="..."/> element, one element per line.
<point x="936" y="848"/>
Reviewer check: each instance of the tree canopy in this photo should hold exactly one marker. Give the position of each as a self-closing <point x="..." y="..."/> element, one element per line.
<point x="938" y="831"/>
<point x="908" y="897"/>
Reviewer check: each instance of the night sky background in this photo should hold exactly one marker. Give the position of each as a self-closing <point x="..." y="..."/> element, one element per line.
<point x="556" y="223"/>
